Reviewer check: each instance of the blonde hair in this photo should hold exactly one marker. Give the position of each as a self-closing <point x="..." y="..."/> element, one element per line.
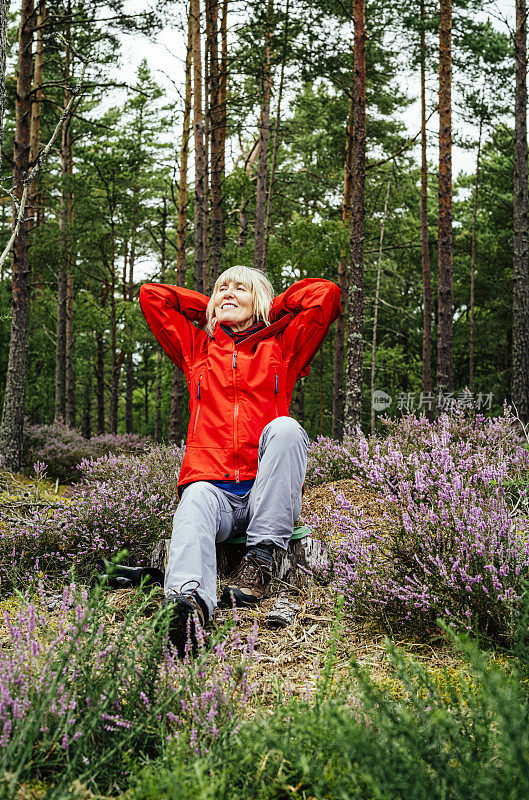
<point x="258" y="284"/>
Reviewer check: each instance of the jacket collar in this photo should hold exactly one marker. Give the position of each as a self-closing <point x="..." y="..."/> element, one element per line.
<point x="222" y="338"/>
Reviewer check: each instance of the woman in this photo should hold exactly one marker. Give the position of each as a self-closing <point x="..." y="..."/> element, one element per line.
<point x="245" y="458"/>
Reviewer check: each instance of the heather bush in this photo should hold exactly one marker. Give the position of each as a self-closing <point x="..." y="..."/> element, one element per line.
<point x="123" y="502"/>
<point x="448" y="736"/>
<point x="449" y="543"/>
<point x="85" y="698"/>
<point x="380" y="461"/>
<point x="62" y="448"/>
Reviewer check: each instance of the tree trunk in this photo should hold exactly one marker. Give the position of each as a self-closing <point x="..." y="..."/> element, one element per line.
<point x="87" y="413"/>
<point x="297" y="406"/>
<point x="375" y="318"/>
<point x="200" y="154"/>
<point x="243" y="212"/>
<point x="268" y="220"/>
<point x="67" y="158"/>
<point x="223" y="91"/>
<point x="63" y="381"/>
<point x="217" y="142"/>
<point x="445" y="354"/>
<point x="425" y="248"/>
<point x="159" y="354"/>
<point x="11" y="429"/>
<point x="176" y="431"/>
<point x="181" y="228"/>
<point x="100" y="378"/>
<point x="207" y="142"/>
<point x="264" y="132"/>
<point x="520" y="340"/>
<point x="70" y="379"/>
<point x="473" y="263"/>
<point x="128" y="294"/>
<point x="4" y="13"/>
<point x="60" y="347"/>
<point x="177" y="384"/>
<point x="36" y="109"/>
<point x="353" y="395"/>
<point x="116" y="359"/>
<point x="339" y="333"/>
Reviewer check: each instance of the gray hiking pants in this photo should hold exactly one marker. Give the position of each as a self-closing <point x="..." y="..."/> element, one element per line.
<point x="207" y="514"/>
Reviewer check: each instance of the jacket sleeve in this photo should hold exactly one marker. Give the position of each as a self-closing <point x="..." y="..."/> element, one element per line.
<point x="170" y="312"/>
<point x="315" y="304"/>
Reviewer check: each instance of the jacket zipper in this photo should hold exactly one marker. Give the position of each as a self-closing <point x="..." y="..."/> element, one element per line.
<point x="198" y="406"/>
<point x="235" y="416"/>
<point x="275" y="396"/>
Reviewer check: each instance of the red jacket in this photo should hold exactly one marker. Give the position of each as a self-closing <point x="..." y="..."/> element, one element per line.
<point x="235" y="390"/>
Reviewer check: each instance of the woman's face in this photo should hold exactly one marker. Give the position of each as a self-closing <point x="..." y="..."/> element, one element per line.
<point x="233" y="305"/>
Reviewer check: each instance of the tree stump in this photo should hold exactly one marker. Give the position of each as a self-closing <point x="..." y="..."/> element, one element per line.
<point x="305" y="563"/>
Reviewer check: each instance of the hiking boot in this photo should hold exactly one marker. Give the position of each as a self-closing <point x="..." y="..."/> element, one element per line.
<point x="248" y="584"/>
<point x="188" y="614"/>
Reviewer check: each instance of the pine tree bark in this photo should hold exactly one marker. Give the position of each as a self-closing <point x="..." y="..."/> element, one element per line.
<point x="117" y="359"/>
<point x="445" y="353"/>
<point x="473" y="263"/>
<point x="87" y="412"/>
<point x="159" y="354"/>
<point x="4" y="13"/>
<point x="275" y="149"/>
<point x="60" y="346"/>
<point x="243" y="212"/>
<point x="67" y="250"/>
<point x="200" y="154"/>
<point x="11" y="428"/>
<point x="181" y="227"/>
<point x="70" y="378"/>
<point x="36" y="108"/>
<point x="340" y="329"/>
<point x="207" y="142"/>
<point x="217" y="141"/>
<point x="520" y="339"/>
<point x="177" y="385"/>
<point x="64" y="341"/>
<point x="264" y="134"/>
<point x="223" y="93"/>
<point x="353" y="393"/>
<point x="425" y="247"/>
<point x="128" y="294"/>
<point x="375" y="316"/>
<point x="100" y="383"/>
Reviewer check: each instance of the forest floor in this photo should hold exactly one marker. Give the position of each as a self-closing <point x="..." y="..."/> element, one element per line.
<point x="295" y="656"/>
<point x="290" y="660"/>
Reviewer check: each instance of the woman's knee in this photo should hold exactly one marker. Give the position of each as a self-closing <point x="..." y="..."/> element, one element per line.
<point x="286" y="428"/>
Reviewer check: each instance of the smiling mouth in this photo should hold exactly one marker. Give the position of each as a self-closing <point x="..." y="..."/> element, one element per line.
<point x="228" y="305"/>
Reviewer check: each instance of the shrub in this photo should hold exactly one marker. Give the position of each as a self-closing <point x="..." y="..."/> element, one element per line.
<point x="449" y="544"/>
<point x="62" y="448"/>
<point x="122" y="502"/>
<point x="379" y="462"/>
<point x="83" y="699"/>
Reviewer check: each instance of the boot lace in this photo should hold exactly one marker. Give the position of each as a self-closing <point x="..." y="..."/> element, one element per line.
<point x="248" y="570"/>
